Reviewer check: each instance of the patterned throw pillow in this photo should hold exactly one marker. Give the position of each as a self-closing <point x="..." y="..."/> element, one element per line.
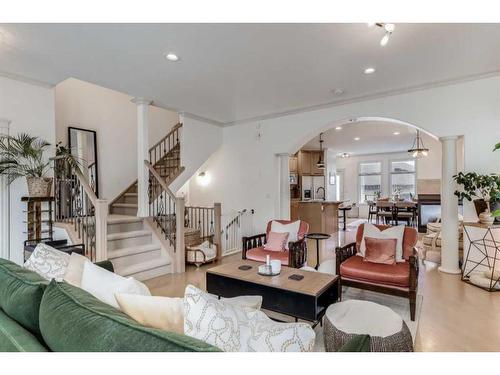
<point x="48" y="262"/>
<point x="235" y="329"/>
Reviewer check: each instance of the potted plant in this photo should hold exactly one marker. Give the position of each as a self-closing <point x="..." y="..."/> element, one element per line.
<point x="23" y="156"/>
<point x="496" y="206"/>
<point x="484" y="187"/>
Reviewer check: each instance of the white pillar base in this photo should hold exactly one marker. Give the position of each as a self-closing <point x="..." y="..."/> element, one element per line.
<point x="450" y="271"/>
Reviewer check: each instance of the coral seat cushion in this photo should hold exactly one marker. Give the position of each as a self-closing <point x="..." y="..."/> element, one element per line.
<point x="382" y="251"/>
<point x="357" y="268"/>
<point x="259" y="255"/>
<point x="276" y="241"/>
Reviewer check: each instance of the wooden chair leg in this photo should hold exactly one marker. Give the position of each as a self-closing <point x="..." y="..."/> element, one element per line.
<point x="413" y="304"/>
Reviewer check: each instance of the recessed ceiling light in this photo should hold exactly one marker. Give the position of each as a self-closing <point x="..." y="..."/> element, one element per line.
<point x="357" y="138"/>
<point x="171" y="56"/>
<point x="338" y="128"/>
<point x="396" y="133"/>
<point x="369" y="70"/>
<point x="338" y="91"/>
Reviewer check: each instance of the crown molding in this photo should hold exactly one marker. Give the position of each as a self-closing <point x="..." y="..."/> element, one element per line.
<point x="31" y="81"/>
<point x="203" y="119"/>
<point x="363" y="98"/>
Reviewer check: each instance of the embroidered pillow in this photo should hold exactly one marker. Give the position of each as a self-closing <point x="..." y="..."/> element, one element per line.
<point x="48" y="262"/>
<point x="235" y="329"/>
<point x="396" y="232"/>
<point x="276" y="241"/>
<point x="381" y="251"/>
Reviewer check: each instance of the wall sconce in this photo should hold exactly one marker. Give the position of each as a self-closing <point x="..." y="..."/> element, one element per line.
<point x="203" y="179"/>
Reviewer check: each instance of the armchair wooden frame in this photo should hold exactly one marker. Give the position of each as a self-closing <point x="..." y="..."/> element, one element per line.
<point x="297" y="251"/>
<point x="345" y="252"/>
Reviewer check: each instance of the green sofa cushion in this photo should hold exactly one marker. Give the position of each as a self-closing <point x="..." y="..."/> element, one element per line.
<point x="73" y="320"/>
<point x="359" y="343"/>
<point x="14" y="338"/>
<point x="21" y="292"/>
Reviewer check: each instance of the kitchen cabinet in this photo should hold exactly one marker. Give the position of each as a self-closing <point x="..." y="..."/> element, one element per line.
<point x="314" y="159"/>
<point x="304" y="163"/>
<point x="293" y="164"/>
<point x="307" y="161"/>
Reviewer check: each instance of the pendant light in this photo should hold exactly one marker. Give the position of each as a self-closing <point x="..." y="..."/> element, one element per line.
<point x="418" y="150"/>
<point x="320" y="164"/>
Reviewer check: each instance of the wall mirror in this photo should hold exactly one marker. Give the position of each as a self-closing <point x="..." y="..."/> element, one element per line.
<point x="83" y="144"/>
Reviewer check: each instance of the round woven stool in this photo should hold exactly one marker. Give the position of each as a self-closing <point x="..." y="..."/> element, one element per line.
<point x="345" y="320"/>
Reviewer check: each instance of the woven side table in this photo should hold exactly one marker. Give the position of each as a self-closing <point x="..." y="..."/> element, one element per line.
<point x="345" y="320"/>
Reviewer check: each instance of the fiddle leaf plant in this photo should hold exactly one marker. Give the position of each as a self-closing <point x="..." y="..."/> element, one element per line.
<point x="497" y="147"/>
<point x="475" y="185"/>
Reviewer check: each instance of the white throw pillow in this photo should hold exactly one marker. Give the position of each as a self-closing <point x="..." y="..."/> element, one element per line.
<point x="163" y="313"/>
<point x="292" y="229"/>
<point x="236" y="329"/>
<point x="396" y="232"/>
<point x="103" y="284"/>
<point x="74" y="271"/>
<point x="48" y="262"/>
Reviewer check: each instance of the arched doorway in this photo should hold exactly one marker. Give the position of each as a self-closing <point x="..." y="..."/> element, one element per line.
<point x="435" y="170"/>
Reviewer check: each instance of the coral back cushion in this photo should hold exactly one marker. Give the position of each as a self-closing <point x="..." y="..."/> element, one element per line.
<point x="303" y="228"/>
<point x="410" y="238"/>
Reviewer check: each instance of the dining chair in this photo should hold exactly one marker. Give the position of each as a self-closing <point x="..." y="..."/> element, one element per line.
<point x="385" y="211"/>
<point x="372" y="211"/>
<point x="406" y="211"/>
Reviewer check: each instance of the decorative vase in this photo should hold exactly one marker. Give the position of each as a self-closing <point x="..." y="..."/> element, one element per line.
<point x="486" y="218"/>
<point x="495" y="206"/>
<point x="39" y="186"/>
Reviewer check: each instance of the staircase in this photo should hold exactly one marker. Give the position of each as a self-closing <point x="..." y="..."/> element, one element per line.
<point x="134" y="246"/>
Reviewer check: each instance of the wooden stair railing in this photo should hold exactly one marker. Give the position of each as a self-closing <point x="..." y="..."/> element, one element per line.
<point x="77" y="204"/>
<point x="208" y="221"/>
<point x="162" y="205"/>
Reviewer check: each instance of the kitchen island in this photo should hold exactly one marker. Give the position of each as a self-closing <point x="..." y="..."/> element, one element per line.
<point x="322" y="216"/>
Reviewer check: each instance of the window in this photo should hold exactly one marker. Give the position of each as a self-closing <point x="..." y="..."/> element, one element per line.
<point x="403" y="178"/>
<point x="370" y="180"/>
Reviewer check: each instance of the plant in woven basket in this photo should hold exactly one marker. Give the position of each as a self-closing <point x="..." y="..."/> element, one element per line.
<point x="23" y="156"/>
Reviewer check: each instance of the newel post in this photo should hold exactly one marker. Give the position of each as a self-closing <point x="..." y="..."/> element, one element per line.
<point x="101" y="230"/>
<point x="180" y="248"/>
<point x="218" y="229"/>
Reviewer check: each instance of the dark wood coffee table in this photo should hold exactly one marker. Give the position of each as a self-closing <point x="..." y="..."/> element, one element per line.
<point x="305" y="299"/>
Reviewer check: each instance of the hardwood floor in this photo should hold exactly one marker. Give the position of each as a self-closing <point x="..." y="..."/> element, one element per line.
<point x="455" y="316"/>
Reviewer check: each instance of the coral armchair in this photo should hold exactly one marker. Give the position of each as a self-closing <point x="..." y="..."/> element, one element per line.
<point x="400" y="279"/>
<point x="295" y="256"/>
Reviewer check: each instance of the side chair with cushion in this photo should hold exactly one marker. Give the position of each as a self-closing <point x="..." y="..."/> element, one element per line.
<point x="398" y="279"/>
<point x="293" y="255"/>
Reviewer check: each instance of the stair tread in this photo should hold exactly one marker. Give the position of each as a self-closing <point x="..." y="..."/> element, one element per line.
<point x="143" y="266"/>
<point x="125" y="205"/>
<point x="130" y="194"/>
<point x="131" y="234"/>
<point x="125" y="251"/>
<point x="123" y="219"/>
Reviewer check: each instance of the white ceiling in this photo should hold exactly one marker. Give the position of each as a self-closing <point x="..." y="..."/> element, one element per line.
<point x="374" y="137"/>
<point x="231" y="72"/>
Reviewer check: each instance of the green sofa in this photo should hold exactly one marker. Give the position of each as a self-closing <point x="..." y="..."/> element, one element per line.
<point x="37" y="316"/>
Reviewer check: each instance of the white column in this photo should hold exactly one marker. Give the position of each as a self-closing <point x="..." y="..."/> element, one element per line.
<point x="284" y="198"/>
<point x="449" y="207"/>
<point x="4" y="205"/>
<point x="142" y="154"/>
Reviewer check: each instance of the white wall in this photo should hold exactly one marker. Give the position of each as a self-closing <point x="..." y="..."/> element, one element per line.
<point x="30" y="109"/>
<point x="199" y="140"/>
<point x="114" y="117"/>
<point x="245" y="170"/>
